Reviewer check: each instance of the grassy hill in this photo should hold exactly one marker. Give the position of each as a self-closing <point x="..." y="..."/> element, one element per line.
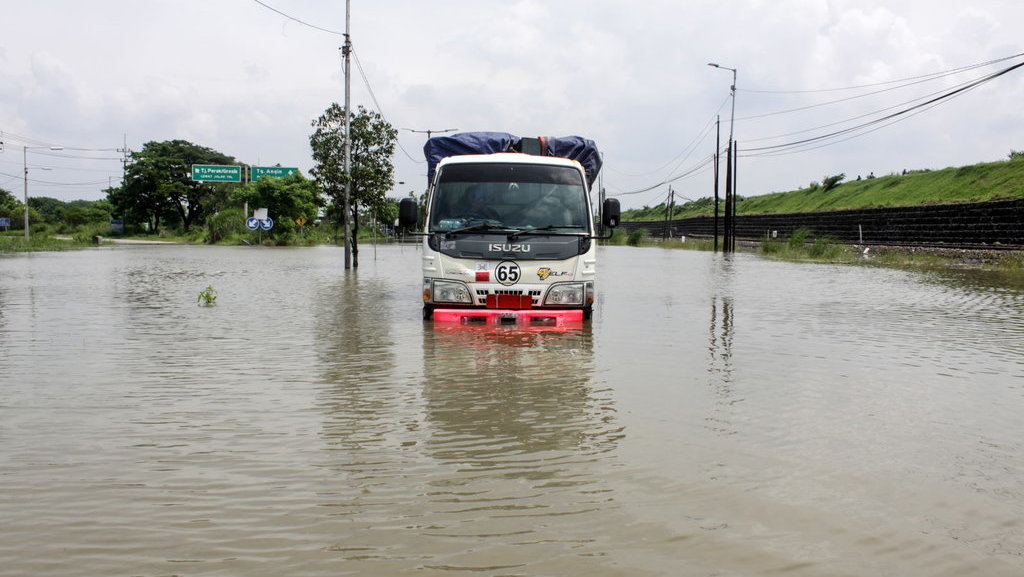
<point x="978" y="182"/>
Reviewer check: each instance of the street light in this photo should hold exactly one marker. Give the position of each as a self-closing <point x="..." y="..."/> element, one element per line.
<point x="24" y="156"/>
<point x="730" y="178"/>
<point x="430" y="132"/>
<point x="732" y="92"/>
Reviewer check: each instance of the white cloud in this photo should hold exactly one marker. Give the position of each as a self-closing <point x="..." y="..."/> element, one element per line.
<point x="247" y="81"/>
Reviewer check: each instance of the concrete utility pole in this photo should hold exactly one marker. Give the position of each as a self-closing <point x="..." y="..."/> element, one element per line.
<point x="668" y="211"/>
<point x="718" y="149"/>
<point x="347" y="52"/>
<point x="24" y="158"/>
<point x="729" y="244"/>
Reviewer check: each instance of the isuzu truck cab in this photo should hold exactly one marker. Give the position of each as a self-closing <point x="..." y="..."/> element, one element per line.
<point x="509" y="231"/>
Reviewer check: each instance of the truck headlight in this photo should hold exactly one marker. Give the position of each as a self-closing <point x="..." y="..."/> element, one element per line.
<point x="566" y="294"/>
<point x="451" y="292"/>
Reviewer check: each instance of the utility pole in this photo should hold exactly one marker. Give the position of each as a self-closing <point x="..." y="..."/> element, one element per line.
<point x="718" y="150"/>
<point x="668" y="211"/>
<point x="735" y="174"/>
<point x="727" y="236"/>
<point x="730" y="190"/>
<point x="24" y="157"/>
<point x="124" y="161"/>
<point x="347" y="52"/>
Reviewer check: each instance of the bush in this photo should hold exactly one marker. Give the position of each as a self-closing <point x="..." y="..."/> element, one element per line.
<point x="86" y="233"/>
<point x="636" y="237"/>
<point x="618" y="237"/>
<point x="225" y="225"/>
<point x="770" y="245"/>
<point x="830" y="182"/>
<point x="824" y="248"/>
<point x="798" y="238"/>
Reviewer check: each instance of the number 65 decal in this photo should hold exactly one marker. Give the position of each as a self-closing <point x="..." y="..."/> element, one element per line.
<point x="507" y="273"/>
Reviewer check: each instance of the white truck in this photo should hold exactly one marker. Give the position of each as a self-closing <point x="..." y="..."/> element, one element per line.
<point x="509" y="230"/>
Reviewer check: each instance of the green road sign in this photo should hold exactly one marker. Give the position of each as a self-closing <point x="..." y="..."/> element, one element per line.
<point x="275" y="171"/>
<point x="216" y="173"/>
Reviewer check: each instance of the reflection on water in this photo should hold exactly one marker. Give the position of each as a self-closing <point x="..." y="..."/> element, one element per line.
<point x="496" y="441"/>
<point x="495" y="390"/>
<point x="720" y="359"/>
<point x="721" y="415"/>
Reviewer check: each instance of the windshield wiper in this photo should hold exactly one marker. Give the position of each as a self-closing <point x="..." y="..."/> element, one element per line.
<point x="480" y="226"/>
<point x="523" y="231"/>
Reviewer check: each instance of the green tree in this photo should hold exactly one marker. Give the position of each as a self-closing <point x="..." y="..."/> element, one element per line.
<point x="10" y="206"/>
<point x="387" y="213"/>
<point x="45" y="210"/>
<point x="158" y="185"/>
<point x="78" y="213"/>
<point x="289" y="201"/>
<point x="55" y="214"/>
<point x="7" y="198"/>
<point x="372" y="173"/>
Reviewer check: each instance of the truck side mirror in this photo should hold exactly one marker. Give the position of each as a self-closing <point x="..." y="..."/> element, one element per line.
<point x="610" y="212"/>
<point x="408" y="212"/>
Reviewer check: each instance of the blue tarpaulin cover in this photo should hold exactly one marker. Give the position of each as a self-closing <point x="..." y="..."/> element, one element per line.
<point x="575" y="148"/>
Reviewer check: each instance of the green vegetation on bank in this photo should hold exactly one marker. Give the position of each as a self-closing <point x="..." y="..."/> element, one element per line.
<point x="801" y="246"/>
<point x="159" y="200"/>
<point x="17" y="243"/>
<point x="974" y="183"/>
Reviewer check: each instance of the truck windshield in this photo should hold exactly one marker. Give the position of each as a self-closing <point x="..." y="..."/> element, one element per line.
<point x="509" y="197"/>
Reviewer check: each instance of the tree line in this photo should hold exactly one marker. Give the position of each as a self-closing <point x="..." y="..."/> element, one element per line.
<point x="158" y="196"/>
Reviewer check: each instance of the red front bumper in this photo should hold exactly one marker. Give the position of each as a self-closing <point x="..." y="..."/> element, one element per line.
<point x="527" y="317"/>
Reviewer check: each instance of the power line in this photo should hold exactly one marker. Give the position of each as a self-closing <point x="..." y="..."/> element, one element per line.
<point x="866" y="115"/>
<point x="692" y="171"/>
<point x="883" y="121"/>
<point x="294" y="19"/>
<point x="376" y="103"/>
<point x="362" y="73"/>
<point x="929" y="76"/>
<point x="865" y="95"/>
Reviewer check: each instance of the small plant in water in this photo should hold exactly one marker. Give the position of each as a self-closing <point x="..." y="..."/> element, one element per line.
<point x="208" y="296"/>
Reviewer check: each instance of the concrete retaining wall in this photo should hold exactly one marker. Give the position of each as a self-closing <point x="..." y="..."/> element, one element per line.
<point x="993" y="222"/>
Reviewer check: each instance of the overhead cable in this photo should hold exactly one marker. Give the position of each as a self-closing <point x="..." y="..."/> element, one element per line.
<point x="757" y="151"/>
<point x="294" y="19"/>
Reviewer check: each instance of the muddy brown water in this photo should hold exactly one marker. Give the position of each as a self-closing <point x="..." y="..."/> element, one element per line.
<point x="718" y="416"/>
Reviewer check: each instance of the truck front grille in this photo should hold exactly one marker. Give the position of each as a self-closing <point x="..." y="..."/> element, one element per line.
<point x="481" y="294"/>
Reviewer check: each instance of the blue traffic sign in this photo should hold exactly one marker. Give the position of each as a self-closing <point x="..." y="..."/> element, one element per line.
<point x="252" y="223"/>
<point x="267" y="223"/>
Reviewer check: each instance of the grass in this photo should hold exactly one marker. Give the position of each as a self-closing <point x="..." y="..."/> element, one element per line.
<point x="974" y="183"/>
<point x="802" y="247"/>
<point x="797" y="247"/>
<point x="37" y="243"/>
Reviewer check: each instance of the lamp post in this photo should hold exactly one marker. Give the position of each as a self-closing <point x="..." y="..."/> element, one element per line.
<point x="429" y="132"/>
<point x="730" y="180"/>
<point x="732" y="93"/>
<point x="24" y="158"/>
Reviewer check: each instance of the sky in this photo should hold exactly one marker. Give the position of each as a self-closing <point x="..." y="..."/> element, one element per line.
<point x="899" y="85"/>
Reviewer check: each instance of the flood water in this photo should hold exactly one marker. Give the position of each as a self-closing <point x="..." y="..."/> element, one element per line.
<point x="718" y="416"/>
